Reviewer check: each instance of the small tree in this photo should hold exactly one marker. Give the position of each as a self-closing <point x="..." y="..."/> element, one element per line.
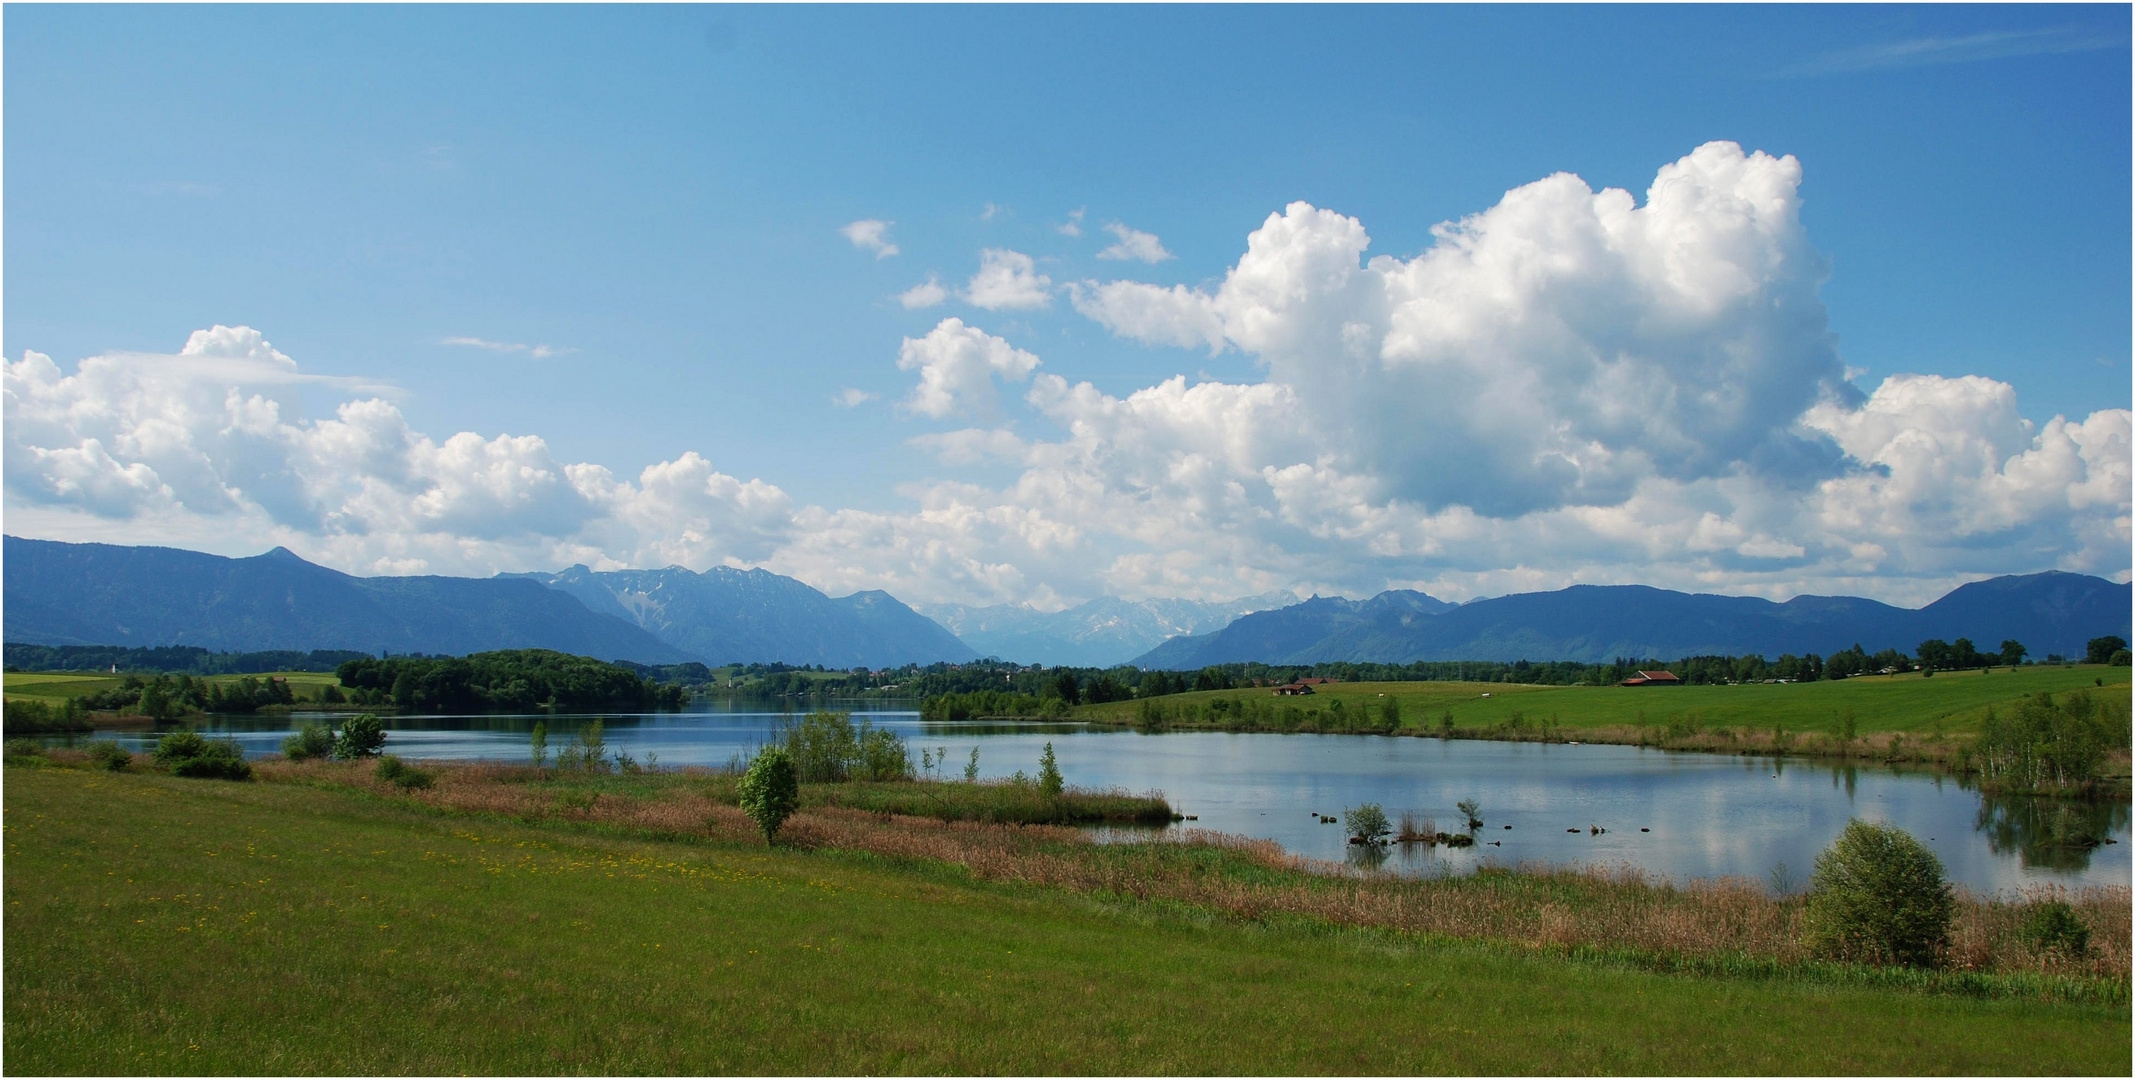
<point x="770" y="790"/>
<point x="539" y="743"/>
<point x="971" y="768"/>
<point x="363" y="736"/>
<point x="1878" y="895"/>
<point x="1367" y="824"/>
<point x="1473" y="811"/>
<point x="1049" y="779"/>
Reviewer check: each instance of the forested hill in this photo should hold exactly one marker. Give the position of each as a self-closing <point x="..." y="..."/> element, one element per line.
<point x="2048" y="613"/>
<point x="103" y="594"/>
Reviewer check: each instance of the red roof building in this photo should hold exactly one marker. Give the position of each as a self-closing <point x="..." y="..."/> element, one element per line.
<point x="1653" y="678"/>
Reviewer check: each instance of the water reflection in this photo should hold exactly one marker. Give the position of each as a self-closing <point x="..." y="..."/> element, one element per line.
<point x="2054" y="834"/>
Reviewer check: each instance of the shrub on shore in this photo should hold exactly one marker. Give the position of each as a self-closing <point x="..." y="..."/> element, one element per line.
<point x="770" y="790"/>
<point x="1878" y="895"/>
<point x="186" y="753"/>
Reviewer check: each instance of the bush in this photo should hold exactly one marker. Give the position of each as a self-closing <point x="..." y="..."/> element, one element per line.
<point x="1367" y="824"/>
<point x="882" y="755"/>
<point x="395" y="771"/>
<point x="24" y="748"/>
<point x="109" y="754"/>
<point x="1471" y="812"/>
<point x="363" y="736"/>
<point x="1878" y="895"/>
<point x="1049" y="779"/>
<point x="826" y="748"/>
<point x="2055" y="927"/>
<point x="186" y="753"/>
<point x="771" y="790"/>
<point x="313" y="740"/>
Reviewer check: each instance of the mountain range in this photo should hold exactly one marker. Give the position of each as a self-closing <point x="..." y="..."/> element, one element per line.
<point x="104" y="594"/>
<point x="724" y="615"/>
<point x="1103" y="632"/>
<point x="2052" y="612"/>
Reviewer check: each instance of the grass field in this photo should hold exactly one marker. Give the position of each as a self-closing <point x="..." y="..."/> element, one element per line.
<point x="52" y="687"/>
<point x="1901" y="716"/>
<point x="157" y="925"/>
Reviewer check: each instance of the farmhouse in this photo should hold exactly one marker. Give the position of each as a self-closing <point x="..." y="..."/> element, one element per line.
<point x="1653" y="678"/>
<point x="1296" y="689"/>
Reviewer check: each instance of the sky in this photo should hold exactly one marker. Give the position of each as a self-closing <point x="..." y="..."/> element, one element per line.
<point x="1032" y="305"/>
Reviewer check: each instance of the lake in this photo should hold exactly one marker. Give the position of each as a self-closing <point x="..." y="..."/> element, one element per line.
<point x="1708" y="815"/>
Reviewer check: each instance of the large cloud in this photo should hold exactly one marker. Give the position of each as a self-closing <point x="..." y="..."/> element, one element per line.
<point x="209" y="443"/>
<point x="1570" y="386"/>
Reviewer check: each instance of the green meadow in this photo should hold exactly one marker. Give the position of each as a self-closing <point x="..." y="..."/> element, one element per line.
<point x="54" y="687"/>
<point x="1949" y="702"/>
<point x="313" y="925"/>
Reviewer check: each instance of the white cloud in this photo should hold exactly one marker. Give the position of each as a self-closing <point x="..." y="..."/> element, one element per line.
<point x="1073" y="225"/>
<point x="1008" y="280"/>
<point x="538" y="352"/>
<point x="1134" y="244"/>
<point x="207" y="446"/>
<point x="1569" y="386"/>
<point x="926" y="294"/>
<point x="957" y="365"/>
<point x="853" y="397"/>
<point x="870" y="234"/>
<point x="991" y="211"/>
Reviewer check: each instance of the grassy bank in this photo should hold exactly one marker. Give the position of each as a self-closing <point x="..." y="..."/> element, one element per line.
<point x="315" y="924"/>
<point x="54" y="687"/>
<point x="1892" y="717"/>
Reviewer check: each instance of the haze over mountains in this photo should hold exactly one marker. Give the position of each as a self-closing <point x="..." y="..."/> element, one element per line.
<point x="102" y="594"/>
<point x="2050" y="613"/>
<point x="1098" y="633"/>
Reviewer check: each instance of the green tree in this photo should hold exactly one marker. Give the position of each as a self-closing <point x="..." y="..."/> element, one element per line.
<point x="2101" y="649"/>
<point x="2012" y="652"/>
<point x="1367" y="823"/>
<point x="770" y="790"/>
<point x="1049" y="779"/>
<point x="1473" y="812"/>
<point x="1878" y="895"/>
<point x="313" y="740"/>
<point x="361" y="737"/>
<point x="971" y="768"/>
<point x="538" y="742"/>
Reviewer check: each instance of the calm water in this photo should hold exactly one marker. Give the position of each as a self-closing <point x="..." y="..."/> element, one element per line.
<point x="1709" y="815"/>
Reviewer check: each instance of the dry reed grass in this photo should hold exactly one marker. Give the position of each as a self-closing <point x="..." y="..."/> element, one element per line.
<point x="1603" y="908"/>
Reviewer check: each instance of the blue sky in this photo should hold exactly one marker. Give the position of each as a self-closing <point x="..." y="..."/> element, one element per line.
<point x="656" y="196"/>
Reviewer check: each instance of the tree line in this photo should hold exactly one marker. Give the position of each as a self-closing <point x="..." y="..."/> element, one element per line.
<point x="510" y="680"/>
<point x="171" y="659"/>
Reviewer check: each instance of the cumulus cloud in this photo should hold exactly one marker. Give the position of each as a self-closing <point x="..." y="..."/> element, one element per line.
<point x="1008" y="280"/>
<point x="1569" y="386"/>
<point x="538" y="352"/>
<point x="1073" y="225"/>
<point x="1134" y="244"/>
<point x="853" y="397"/>
<point x="957" y="365"/>
<point x="209" y="444"/>
<point x="870" y="234"/>
<point x="926" y="294"/>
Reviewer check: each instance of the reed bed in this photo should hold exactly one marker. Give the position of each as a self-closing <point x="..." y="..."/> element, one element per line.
<point x="1726" y="924"/>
